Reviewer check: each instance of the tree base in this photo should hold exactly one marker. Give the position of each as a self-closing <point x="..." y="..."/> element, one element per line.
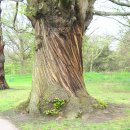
<point x="4" y="86"/>
<point x="63" y="105"/>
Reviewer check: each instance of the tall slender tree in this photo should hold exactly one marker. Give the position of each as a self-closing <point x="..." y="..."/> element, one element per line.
<point x="3" y="84"/>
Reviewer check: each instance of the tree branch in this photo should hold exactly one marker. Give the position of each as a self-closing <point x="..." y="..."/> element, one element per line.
<point x="120" y="3"/>
<point x="120" y="22"/>
<point x="102" y="13"/>
<point x="15" y="16"/>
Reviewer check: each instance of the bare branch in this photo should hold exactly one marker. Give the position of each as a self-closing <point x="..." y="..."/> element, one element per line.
<point x="17" y="0"/>
<point x="102" y="13"/>
<point x="120" y="3"/>
<point x="119" y="21"/>
<point x="98" y="54"/>
<point x="16" y="12"/>
<point x="18" y="30"/>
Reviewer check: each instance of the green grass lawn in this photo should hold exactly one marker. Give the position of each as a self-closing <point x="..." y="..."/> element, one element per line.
<point x="109" y="87"/>
<point x="20" y="89"/>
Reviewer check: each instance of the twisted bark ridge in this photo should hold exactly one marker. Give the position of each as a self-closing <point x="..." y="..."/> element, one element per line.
<point x="3" y="84"/>
<point x="58" y="68"/>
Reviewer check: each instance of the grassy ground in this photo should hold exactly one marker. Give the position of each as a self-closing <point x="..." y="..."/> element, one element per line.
<point x="20" y="88"/>
<point x="109" y="87"/>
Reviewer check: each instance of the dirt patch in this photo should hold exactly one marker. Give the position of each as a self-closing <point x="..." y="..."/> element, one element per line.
<point x="112" y="112"/>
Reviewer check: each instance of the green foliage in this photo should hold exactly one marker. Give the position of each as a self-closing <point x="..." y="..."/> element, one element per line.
<point x="31" y="11"/>
<point x="124" y="52"/>
<point x="22" y="8"/>
<point x="100" y="105"/>
<point x="97" y="55"/>
<point x="100" y="56"/>
<point x="16" y="67"/>
<point x="102" y="62"/>
<point x="52" y="112"/>
<point x="57" y="104"/>
<point x="10" y="68"/>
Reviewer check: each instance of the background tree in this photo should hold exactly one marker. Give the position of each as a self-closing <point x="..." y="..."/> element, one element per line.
<point x="3" y="84"/>
<point x="18" y="36"/>
<point x="124" y="52"/>
<point x="20" y="46"/>
<point x="96" y="49"/>
<point x="121" y="8"/>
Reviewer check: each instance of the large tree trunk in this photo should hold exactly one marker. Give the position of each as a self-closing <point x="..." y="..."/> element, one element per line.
<point x="3" y="84"/>
<point x="58" y="67"/>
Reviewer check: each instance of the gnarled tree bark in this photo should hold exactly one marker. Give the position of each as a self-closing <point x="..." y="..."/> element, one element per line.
<point x="3" y="84"/>
<point x="58" y="68"/>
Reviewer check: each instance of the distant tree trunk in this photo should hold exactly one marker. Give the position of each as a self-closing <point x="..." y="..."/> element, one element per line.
<point x="91" y="61"/>
<point x="22" y="61"/>
<point x="3" y="84"/>
<point x="58" y="68"/>
<point x="22" y="67"/>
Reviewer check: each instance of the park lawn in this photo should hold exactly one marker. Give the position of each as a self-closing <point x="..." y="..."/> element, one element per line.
<point x="109" y="87"/>
<point x="20" y="88"/>
<point x="120" y="124"/>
